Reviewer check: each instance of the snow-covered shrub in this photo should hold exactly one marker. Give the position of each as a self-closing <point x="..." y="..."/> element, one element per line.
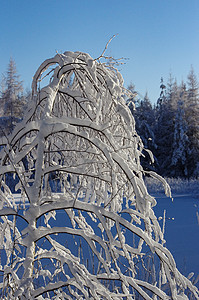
<point x="84" y="227"/>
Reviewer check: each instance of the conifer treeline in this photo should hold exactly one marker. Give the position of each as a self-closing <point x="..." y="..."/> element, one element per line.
<point x="170" y="128"/>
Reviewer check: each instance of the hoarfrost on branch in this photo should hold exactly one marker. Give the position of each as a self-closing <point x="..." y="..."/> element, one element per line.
<point x="83" y="225"/>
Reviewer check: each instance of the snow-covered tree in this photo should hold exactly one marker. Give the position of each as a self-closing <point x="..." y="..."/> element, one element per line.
<point x="192" y="118"/>
<point x="164" y="130"/>
<point x="144" y="115"/>
<point x="12" y="99"/>
<point x="2" y="91"/>
<point x="180" y="146"/>
<point x="84" y="225"/>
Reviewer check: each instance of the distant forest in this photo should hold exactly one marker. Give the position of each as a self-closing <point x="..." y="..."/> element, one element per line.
<point x="169" y="128"/>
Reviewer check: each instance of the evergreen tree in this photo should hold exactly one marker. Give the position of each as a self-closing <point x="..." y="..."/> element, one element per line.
<point x="164" y="129"/>
<point x="144" y="122"/>
<point x="172" y="92"/>
<point x="192" y="117"/>
<point x="180" y="150"/>
<point x="12" y="99"/>
<point x="2" y="91"/>
<point x="132" y="100"/>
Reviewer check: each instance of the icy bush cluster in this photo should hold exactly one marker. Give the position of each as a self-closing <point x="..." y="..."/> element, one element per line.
<point x="84" y="225"/>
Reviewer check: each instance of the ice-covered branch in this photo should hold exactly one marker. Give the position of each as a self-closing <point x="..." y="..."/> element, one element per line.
<point x="83" y="226"/>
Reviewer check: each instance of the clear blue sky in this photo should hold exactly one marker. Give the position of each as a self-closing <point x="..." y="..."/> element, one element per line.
<point x="158" y="37"/>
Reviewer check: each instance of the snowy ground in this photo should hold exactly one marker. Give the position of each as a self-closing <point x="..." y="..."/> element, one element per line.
<point x="182" y="233"/>
<point x="182" y="221"/>
<point x="182" y="224"/>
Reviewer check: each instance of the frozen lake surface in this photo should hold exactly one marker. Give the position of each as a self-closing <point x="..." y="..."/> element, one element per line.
<point x="181" y="233"/>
